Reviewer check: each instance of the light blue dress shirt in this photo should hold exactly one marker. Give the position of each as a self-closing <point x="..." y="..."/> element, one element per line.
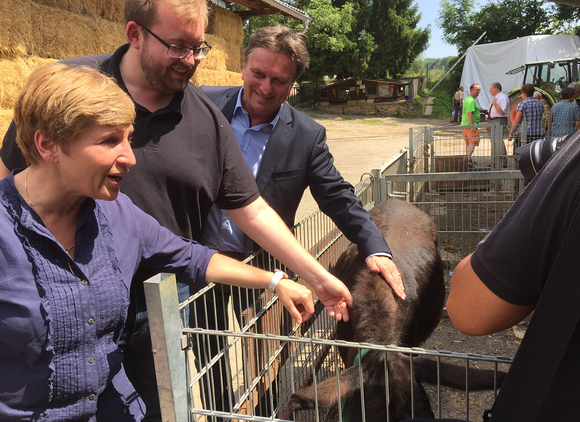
<point x="219" y="231"/>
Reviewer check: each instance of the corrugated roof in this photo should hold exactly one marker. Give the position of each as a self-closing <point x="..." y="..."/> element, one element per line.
<point x="269" y="7"/>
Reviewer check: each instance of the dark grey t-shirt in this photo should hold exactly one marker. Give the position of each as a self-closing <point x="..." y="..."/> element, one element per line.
<point x="514" y="261"/>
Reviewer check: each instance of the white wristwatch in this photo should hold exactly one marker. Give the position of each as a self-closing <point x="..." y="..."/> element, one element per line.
<point x="278" y="275"/>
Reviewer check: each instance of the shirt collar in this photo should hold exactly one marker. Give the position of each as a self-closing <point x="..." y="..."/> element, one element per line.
<point x="240" y="109"/>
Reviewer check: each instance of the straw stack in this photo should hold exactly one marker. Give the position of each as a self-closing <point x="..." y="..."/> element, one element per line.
<point x="37" y="32"/>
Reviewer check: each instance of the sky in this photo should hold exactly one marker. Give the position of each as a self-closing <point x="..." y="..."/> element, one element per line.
<point x="429" y="10"/>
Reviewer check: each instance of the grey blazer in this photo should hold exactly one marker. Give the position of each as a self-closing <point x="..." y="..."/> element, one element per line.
<point x="298" y="157"/>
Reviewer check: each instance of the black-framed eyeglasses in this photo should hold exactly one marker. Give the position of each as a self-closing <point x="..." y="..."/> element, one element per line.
<point x="181" y="52"/>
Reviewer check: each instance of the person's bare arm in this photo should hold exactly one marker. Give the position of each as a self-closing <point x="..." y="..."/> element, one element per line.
<point x="515" y="123"/>
<point x="470" y="117"/>
<point x="295" y="297"/>
<point x="259" y="221"/>
<point x="3" y="170"/>
<point x="549" y="126"/>
<point x="476" y="310"/>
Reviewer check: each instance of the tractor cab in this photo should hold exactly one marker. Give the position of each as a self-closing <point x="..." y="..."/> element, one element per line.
<point x="549" y="77"/>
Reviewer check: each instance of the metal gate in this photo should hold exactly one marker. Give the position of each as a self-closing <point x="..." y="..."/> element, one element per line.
<point x="249" y="371"/>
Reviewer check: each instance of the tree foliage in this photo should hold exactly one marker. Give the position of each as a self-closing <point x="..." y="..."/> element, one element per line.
<point x="356" y="38"/>
<point x="335" y="47"/>
<point x="394" y="25"/>
<point x="504" y="20"/>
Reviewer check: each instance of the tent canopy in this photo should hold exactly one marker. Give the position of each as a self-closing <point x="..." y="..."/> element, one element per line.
<point x="488" y="63"/>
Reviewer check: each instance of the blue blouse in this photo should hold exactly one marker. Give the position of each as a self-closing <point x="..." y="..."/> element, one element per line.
<point x="60" y="318"/>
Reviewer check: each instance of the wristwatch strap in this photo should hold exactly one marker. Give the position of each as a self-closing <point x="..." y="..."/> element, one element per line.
<point x="278" y="275"/>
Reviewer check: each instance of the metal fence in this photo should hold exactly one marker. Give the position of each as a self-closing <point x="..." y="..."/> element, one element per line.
<point x="249" y="370"/>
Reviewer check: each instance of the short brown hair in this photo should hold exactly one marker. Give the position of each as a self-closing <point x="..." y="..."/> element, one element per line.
<point x="568" y="93"/>
<point x="528" y="89"/>
<point x="280" y="39"/>
<point x="144" y="12"/>
<point x="63" y="101"/>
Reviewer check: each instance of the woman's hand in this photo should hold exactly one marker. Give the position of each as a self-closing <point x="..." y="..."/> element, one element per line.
<point x="296" y="298"/>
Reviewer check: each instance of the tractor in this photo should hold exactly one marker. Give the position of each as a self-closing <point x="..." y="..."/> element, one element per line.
<point x="549" y="77"/>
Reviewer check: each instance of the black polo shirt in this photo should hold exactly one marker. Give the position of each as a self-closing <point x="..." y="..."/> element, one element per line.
<point x="187" y="157"/>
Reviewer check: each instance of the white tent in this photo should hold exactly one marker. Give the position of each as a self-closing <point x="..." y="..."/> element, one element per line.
<point x="488" y="63"/>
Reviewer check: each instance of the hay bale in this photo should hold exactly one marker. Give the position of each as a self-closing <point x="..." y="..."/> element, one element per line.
<point x="15" y="28"/>
<point x="110" y="36"/>
<point x="216" y="78"/>
<point x="225" y="24"/>
<point x="13" y="73"/>
<point x="217" y="57"/>
<point x="107" y="9"/>
<point x="224" y="55"/>
<point x="33" y="28"/>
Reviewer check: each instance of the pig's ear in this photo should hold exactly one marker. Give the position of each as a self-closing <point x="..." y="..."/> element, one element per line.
<point x="327" y="391"/>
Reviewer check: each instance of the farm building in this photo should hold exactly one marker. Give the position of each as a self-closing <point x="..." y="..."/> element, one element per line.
<point x="366" y="89"/>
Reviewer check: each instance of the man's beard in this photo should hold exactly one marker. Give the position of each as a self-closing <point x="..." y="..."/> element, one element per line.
<point x="158" y="75"/>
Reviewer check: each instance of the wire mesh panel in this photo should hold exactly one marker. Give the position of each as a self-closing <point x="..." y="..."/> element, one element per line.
<point x="250" y="369"/>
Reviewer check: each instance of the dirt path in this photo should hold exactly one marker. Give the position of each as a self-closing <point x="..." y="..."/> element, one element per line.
<point x="362" y="143"/>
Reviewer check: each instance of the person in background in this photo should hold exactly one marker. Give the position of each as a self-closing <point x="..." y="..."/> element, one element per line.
<point x="538" y="95"/>
<point x="529" y="110"/>
<point x="564" y="116"/>
<point x="576" y="87"/>
<point x="187" y="160"/>
<point x="500" y="104"/>
<point x="500" y="283"/>
<point x="457" y="104"/>
<point x="69" y="247"/>
<point x="470" y="117"/>
<point x="499" y="111"/>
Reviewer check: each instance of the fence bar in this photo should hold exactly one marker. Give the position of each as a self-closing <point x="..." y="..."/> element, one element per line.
<point x="166" y="335"/>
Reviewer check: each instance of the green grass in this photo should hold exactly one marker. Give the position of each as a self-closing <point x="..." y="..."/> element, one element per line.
<point x="371" y="121"/>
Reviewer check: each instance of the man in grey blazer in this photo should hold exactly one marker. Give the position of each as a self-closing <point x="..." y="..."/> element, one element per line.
<point x="287" y="152"/>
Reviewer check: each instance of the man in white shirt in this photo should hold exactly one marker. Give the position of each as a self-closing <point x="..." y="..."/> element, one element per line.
<point x="499" y="110"/>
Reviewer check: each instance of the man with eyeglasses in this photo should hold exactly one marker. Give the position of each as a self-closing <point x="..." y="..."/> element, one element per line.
<point x="187" y="160"/>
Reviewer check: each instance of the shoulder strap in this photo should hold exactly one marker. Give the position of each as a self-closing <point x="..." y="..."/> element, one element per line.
<point x="547" y="337"/>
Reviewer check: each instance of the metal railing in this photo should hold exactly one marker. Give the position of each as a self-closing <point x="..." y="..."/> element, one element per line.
<point x="249" y="370"/>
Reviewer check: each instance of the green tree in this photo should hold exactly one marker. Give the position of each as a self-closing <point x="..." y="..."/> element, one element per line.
<point x="335" y="47"/>
<point x="355" y="38"/>
<point x="564" y="19"/>
<point x="394" y="26"/>
<point x="502" y="20"/>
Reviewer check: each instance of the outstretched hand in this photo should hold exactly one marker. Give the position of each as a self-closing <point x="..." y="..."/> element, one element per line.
<point x="297" y="299"/>
<point x="387" y="268"/>
<point x="335" y="296"/>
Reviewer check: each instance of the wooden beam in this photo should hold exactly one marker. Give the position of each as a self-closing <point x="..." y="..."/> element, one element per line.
<point x="248" y="14"/>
